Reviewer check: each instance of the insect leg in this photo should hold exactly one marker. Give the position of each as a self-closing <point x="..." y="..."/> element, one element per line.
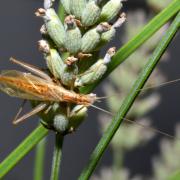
<point x="32" y="69"/>
<point x="34" y="111"/>
<point x="20" y="109"/>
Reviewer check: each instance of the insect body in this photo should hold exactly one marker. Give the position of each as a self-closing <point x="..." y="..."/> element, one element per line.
<point x="40" y="87"/>
<point x="30" y="87"/>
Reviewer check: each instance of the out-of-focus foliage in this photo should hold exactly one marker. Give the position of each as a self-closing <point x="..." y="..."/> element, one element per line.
<point x="168" y="161"/>
<point x="158" y="5"/>
<point x="131" y="136"/>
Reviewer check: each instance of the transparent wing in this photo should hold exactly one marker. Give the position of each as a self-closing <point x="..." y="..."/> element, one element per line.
<point x="11" y="88"/>
<point x="23" y="76"/>
<point x="32" y="87"/>
<point x="14" y="92"/>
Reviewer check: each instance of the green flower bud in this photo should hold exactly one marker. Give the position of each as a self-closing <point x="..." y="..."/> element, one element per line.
<point x="69" y="72"/>
<point x="96" y="71"/>
<point x="77" y="116"/>
<point x="110" y="10"/>
<point x="92" y="37"/>
<point x="53" y="25"/>
<point x="73" y="35"/>
<point x="108" y="36"/>
<point x="77" y="7"/>
<point x="66" y="4"/>
<point x="55" y="63"/>
<point x="60" y="123"/>
<point x="53" y="60"/>
<point x="90" y="14"/>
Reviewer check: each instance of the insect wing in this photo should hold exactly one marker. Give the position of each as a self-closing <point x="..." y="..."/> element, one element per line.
<point x="11" y="88"/>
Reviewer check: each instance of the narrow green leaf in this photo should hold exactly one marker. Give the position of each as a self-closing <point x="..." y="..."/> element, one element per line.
<point x="22" y="150"/>
<point x="39" y="160"/>
<point x="128" y="101"/>
<point x="57" y="157"/>
<point x="154" y="25"/>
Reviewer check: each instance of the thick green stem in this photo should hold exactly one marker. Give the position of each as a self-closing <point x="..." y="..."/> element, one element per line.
<point x="57" y="157"/>
<point x="22" y="150"/>
<point x="39" y="160"/>
<point x="129" y="100"/>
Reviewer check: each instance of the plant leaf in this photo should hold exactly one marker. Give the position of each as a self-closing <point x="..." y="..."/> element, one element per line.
<point x="25" y="146"/>
<point x="39" y="160"/>
<point x="129" y="100"/>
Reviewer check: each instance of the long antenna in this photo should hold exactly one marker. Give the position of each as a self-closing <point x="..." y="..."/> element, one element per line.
<point x="146" y="88"/>
<point x="139" y="124"/>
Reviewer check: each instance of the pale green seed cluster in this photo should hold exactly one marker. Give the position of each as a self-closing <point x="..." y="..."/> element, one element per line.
<point x="70" y="47"/>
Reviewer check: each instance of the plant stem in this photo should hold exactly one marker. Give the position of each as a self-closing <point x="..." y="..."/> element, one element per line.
<point x="27" y="144"/>
<point x="39" y="160"/>
<point x="61" y="13"/>
<point x="57" y="157"/>
<point x="129" y="100"/>
<point x="153" y="26"/>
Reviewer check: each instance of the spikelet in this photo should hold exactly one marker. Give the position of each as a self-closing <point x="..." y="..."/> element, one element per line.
<point x="77" y="7"/>
<point x="55" y="63"/>
<point x="53" y="24"/>
<point x="90" y="14"/>
<point x="109" y="35"/>
<point x="53" y="60"/>
<point x="92" y="75"/>
<point x="66" y="4"/>
<point x="110" y="10"/>
<point x="73" y="35"/>
<point x="69" y="72"/>
<point x="96" y="71"/>
<point x="92" y="37"/>
<point x="77" y="116"/>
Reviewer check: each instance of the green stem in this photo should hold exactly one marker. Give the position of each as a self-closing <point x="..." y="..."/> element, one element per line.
<point x="129" y="100"/>
<point x="57" y="157"/>
<point x="27" y="144"/>
<point x="153" y="26"/>
<point x="61" y="13"/>
<point x="39" y="160"/>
